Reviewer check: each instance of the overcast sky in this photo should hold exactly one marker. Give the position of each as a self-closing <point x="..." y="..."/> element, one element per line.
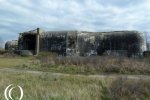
<point x="91" y="15"/>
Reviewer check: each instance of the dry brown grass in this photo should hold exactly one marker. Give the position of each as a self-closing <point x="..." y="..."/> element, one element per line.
<point x="127" y="89"/>
<point x="52" y="87"/>
<point x="98" y="64"/>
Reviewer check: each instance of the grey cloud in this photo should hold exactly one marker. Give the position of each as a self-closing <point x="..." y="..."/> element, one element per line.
<point x="93" y="15"/>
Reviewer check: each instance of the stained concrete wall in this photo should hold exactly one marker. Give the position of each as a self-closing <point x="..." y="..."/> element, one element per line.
<point x="62" y="42"/>
<point x="11" y="45"/>
<point x="85" y="43"/>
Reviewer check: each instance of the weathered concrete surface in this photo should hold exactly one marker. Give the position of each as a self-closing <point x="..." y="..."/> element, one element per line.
<point x="11" y="45"/>
<point x="83" y="43"/>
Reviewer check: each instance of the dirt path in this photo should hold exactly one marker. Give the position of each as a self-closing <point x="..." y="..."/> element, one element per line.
<point x="112" y="76"/>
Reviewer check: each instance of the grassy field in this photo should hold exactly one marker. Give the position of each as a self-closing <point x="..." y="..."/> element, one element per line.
<point x="53" y="87"/>
<point x="47" y="86"/>
<point x="78" y="65"/>
<point x="6" y="62"/>
<point x="89" y="65"/>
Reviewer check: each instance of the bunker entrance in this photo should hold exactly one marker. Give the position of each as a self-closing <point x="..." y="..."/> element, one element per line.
<point x="30" y="42"/>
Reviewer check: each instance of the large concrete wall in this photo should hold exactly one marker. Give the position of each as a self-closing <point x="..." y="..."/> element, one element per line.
<point x="84" y="43"/>
<point x="127" y="42"/>
<point x="62" y="42"/>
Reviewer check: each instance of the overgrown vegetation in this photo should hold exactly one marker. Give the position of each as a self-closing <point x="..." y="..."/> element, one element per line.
<point x="56" y="87"/>
<point x="90" y="65"/>
<point x="78" y="65"/>
<point x="126" y="89"/>
<point x="48" y="86"/>
<point x="46" y="55"/>
<point x="52" y="87"/>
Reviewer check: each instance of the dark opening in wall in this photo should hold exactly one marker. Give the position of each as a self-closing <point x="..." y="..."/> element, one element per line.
<point x="29" y="42"/>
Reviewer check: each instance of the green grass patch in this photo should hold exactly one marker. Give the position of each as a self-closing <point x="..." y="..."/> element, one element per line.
<point x="52" y="87"/>
<point x="6" y="62"/>
<point x="57" y="87"/>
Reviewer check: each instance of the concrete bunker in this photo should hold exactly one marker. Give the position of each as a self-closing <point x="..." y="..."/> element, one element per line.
<point x="83" y="43"/>
<point x="11" y="45"/>
<point x="28" y="42"/>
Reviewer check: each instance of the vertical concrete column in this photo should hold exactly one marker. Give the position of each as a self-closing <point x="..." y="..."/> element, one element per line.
<point x="37" y="41"/>
<point x="19" y="41"/>
<point x="76" y="45"/>
<point x="66" y="44"/>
